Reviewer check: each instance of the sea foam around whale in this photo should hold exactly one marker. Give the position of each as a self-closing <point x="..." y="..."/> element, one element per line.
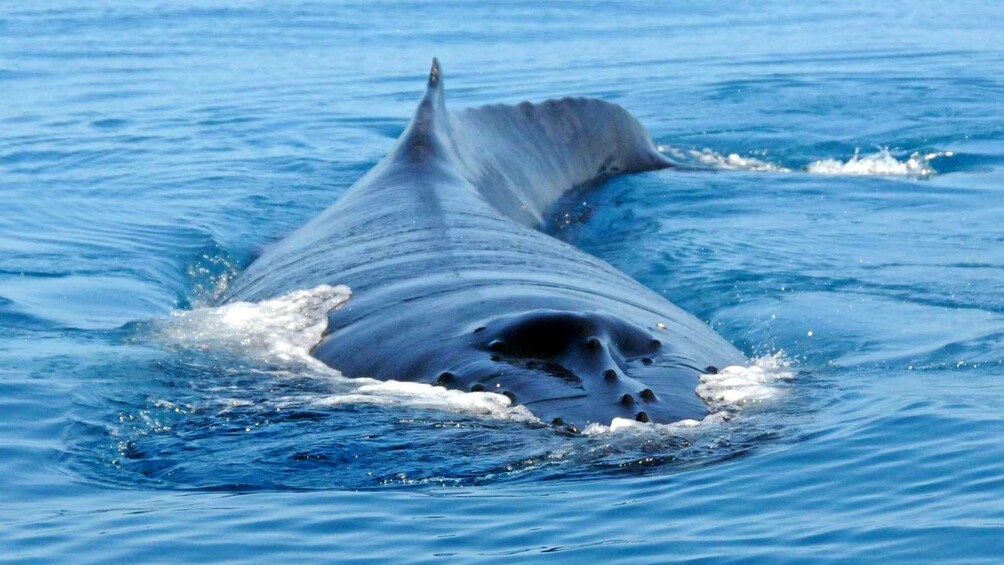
<point x="880" y="163"/>
<point x="282" y="331"/>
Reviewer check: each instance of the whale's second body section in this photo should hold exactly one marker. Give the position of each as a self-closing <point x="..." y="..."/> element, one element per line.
<point x="453" y="285"/>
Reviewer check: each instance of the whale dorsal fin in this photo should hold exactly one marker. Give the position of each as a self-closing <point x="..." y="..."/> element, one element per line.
<point x="424" y="137"/>
<point x="434" y="75"/>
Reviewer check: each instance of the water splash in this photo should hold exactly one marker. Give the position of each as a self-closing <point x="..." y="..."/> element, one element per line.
<point x="280" y="329"/>
<point x="713" y="160"/>
<point x="727" y="392"/>
<point x="733" y="388"/>
<point x="881" y="163"/>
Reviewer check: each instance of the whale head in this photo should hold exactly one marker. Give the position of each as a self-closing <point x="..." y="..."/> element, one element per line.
<point x="570" y="361"/>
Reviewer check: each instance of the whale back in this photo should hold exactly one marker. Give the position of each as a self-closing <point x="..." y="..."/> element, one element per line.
<point x="473" y="167"/>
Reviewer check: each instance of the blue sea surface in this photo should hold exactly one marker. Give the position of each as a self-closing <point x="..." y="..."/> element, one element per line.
<point x="841" y="220"/>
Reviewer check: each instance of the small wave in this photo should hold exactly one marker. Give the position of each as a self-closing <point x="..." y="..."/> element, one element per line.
<point x="880" y="163"/>
<point x="727" y="393"/>
<point x="284" y="329"/>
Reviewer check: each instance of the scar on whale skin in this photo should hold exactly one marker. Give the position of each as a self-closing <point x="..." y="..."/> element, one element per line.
<point x="454" y="285"/>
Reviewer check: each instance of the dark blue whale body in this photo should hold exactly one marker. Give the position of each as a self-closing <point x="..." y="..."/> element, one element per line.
<point x="453" y="286"/>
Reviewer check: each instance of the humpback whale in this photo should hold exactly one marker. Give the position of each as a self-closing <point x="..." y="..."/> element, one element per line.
<point x="455" y="285"/>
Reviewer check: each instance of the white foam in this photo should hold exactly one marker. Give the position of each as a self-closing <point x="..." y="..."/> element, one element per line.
<point x="735" y="162"/>
<point x="731" y="162"/>
<point x="628" y="426"/>
<point x="280" y="329"/>
<point x="740" y="385"/>
<point x="727" y="393"/>
<point x="881" y="163"/>
<point x="419" y="395"/>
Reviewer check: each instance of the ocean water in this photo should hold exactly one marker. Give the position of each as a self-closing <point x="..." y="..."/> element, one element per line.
<point x="841" y="220"/>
